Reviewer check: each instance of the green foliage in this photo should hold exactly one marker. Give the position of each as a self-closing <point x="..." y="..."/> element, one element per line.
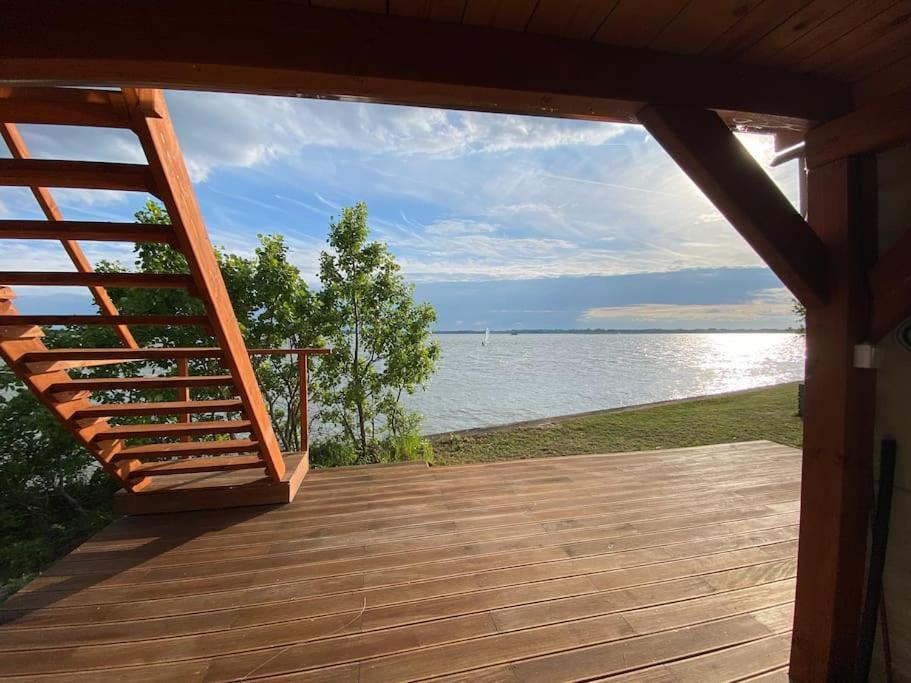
<point x="409" y="447"/>
<point x="332" y="452"/>
<point x="51" y="493"/>
<point x="380" y="339"/>
<point x="800" y="312"/>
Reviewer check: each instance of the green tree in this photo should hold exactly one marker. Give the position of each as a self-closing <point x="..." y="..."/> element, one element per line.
<point x="800" y="312"/>
<point x="380" y="340"/>
<point x="273" y="305"/>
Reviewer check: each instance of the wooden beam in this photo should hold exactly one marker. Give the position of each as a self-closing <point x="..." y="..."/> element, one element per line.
<point x="837" y="466"/>
<point x="41" y="319"/>
<point x="165" y="429"/>
<point x="713" y="158"/>
<point x="224" y="464"/>
<point x="891" y="283"/>
<point x="89" y="175"/>
<point x="91" y="231"/>
<point x="159" y="408"/>
<point x="159" y="142"/>
<point x="280" y="47"/>
<point x="147" y="353"/>
<point x="147" y="280"/>
<point x="876" y="127"/>
<point x="63" y="107"/>
<point x="118" y="383"/>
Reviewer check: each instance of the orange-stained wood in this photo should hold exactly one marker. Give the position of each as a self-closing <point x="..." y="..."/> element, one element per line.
<point x="193" y="448"/>
<point x="183" y="393"/>
<point x="144" y="431"/>
<point x="63" y="106"/>
<point x="303" y="385"/>
<point x="159" y="408"/>
<point x="158" y="140"/>
<point x="89" y="175"/>
<point x="199" y="320"/>
<point x="83" y="230"/>
<point x="118" y="383"/>
<point x="837" y="479"/>
<point x="126" y="280"/>
<point x="146" y="353"/>
<point x="49" y="207"/>
<point x="64" y="404"/>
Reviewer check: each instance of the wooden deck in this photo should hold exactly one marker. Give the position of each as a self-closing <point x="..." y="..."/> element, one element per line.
<point x="661" y="566"/>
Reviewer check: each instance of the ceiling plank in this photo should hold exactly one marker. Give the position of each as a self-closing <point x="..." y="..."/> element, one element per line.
<point x="700" y="22"/>
<point x="793" y="29"/>
<point x="713" y="158"/>
<point x="270" y="46"/>
<point x="636" y="23"/>
<point x="752" y="27"/>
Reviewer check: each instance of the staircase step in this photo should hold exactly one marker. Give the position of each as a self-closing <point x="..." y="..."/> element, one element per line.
<point x="11" y="331"/>
<point x="141" y="431"/>
<point x="160" y="408"/>
<point x="122" y="280"/>
<point x="89" y="175"/>
<point x="112" y="383"/>
<point x="91" y="231"/>
<point x="64" y="106"/>
<point x="187" y="448"/>
<point x="194" y="465"/>
<point x="153" y="353"/>
<point x="105" y="320"/>
<point x="54" y="366"/>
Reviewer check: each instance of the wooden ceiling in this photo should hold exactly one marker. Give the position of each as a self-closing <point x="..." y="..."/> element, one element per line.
<point x="780" y="65"/>
<point x="866" y="43"/>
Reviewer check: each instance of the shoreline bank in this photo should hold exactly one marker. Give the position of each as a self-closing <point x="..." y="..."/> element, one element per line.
<point x="569" y="417"/>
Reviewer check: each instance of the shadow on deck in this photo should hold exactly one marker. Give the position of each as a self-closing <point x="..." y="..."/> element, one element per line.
<point x="667" y="565"/>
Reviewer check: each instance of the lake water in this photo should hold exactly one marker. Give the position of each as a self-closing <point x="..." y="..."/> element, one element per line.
<point x="530" y="376"/>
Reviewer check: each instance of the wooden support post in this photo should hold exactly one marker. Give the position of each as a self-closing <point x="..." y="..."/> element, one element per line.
<point x="304" y="400"/>
<point x="183" y="393"/>
<point x="837" y="481"/>
<point x="709" y="153"/>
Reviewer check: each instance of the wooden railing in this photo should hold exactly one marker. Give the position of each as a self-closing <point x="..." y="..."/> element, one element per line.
<point x="303" y="356"/>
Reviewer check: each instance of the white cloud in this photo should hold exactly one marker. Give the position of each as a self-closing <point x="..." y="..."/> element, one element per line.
<point x="230" y="130"/>
<point x="453" y="226"/>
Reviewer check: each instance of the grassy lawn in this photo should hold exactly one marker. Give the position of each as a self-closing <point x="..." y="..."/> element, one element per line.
<point x="767" y="413"/>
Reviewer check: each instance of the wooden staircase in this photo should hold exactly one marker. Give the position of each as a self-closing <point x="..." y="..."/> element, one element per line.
<point x="236" y="434"/>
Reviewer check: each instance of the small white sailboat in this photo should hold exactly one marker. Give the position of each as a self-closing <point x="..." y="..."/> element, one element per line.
<point x="486" y="340"/>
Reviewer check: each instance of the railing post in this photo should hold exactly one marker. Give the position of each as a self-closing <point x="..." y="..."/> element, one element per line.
<point x="183" y="393"/>
<point x="304" y="401"/>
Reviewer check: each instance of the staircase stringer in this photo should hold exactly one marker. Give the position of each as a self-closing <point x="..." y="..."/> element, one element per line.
<point x="15" y="342"/>
<point x="151" y="123"/>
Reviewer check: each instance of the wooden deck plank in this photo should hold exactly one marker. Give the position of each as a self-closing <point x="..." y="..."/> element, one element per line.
<point x="677" y="564"/>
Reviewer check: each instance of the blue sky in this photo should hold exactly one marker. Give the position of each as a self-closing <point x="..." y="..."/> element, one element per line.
<point x="501" y="221"/>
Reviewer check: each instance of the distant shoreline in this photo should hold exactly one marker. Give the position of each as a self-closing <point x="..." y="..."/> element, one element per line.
<point x="709" y="330"/>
